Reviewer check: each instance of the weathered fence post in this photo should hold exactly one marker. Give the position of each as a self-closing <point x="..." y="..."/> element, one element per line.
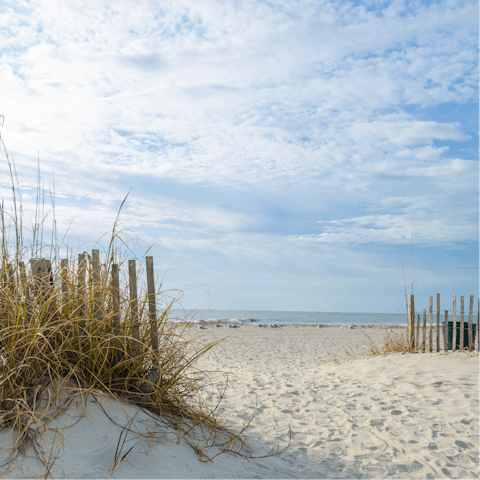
<point x="431" y="325"/>
<point x="96" y="283"/>
<point x="10" y="284"/>
<point x="424" y="339"/>
<point x="438" y="322"/>
<point x="21" y="266"/>
<point x="152" y="307"/>
<point x="26" y="295"/>
<point x="470" y="320"/>
<point x="63" y="266"/>
<point x="478" y="326"/>
<point x="82" y="273"/>
<point x="41" y="271"/>
<point x="409" y="314"/>
<point x="116" y="298"/>
<point x="454" y="332"/>
<point x="116" y="306"/>
<point x="132" y="274"/>
<point x="50" y="272"/>
<point x="462" y="322"/>
<point x="3" y="277"/>
<point x="417" y="336"/>
<point x="40" y="275"/>
<point x="411" y="321"/>
<point x="445" y="332"/>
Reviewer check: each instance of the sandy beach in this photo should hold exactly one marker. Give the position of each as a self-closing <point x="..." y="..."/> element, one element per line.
<point x="399" y="416"/>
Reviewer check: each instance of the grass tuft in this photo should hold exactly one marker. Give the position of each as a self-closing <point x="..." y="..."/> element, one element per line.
<point x="64" y="331"/>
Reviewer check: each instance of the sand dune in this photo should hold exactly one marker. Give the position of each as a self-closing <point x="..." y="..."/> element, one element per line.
<point x="401" y="416"/>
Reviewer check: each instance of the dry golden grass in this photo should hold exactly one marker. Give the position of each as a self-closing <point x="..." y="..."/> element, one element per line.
<point x="57" y="332"/>
<point x="395" y="341"/>
<point x="51" y="336"/>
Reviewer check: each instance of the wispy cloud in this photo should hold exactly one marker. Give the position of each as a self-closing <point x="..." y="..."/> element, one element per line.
<point x="268" y="123"/>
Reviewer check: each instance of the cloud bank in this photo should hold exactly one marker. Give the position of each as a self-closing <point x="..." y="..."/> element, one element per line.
<point x="244" y="129"/>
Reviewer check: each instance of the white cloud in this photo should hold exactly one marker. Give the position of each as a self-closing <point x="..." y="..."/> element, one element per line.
<point x="408" y="133"/>
<point x="432" y="220"/>
<point x="315" y="108"/>
<point x="396" y="229"/>
<point x="427" y="153"/>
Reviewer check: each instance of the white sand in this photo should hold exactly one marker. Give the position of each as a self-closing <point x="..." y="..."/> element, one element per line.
<point x="402" y="416"/>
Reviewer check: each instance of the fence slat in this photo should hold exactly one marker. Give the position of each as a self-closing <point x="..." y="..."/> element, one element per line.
<point x="417" y="336"/>
<point x="409" y="315"/>
<point x="24" y="287"/>
<point x="132" y="275"/>
<point x="152" y="307"/>
<point x="430" y="314"/>
<point x="462" y="323"/>
<point x="438" y="322"/>
<point x="82" y="273"/>
<point x="470" y="320"/>
<point x="3" y="278"/>
<point x="23" y="278"/>
<point x="411" y="320"/>
<point x="40" y="275"/>
<point x="39" y="268"/>
<point x="21" y="266"/>
<point x="49" y="272"/>
<point x="63" y="266"/>
<point x="116" y="298"/>
<point x="454" y="332"/>
<point x="424" y="339"/>
<point x="445" y="332"/>
<point x="96" y="283"/>
<point x="478" y="326"/>
<point x="9" y="277"/>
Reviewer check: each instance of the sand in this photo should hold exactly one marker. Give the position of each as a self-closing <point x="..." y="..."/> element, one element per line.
<point x="400" y="415"/>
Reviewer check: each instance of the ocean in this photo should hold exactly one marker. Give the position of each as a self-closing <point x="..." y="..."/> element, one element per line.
<point x="290" y="318"/>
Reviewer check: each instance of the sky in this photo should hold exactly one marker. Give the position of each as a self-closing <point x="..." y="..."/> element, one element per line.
<point x="280" y="155"/>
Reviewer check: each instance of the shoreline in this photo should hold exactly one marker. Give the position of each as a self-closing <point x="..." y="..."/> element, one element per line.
<point x="256" y="323"/>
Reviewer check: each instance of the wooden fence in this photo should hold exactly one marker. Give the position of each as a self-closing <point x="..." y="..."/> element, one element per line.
<point x="41" y="270"/>
<point x="431" y="338"/>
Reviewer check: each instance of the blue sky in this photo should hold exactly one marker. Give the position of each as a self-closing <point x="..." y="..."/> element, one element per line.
<point x="279" y="154"/>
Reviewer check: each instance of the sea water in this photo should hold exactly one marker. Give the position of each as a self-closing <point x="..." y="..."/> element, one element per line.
<point x="289" y="318"/>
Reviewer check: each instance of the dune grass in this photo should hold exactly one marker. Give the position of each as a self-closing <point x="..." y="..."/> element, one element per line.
<point x="58" y="330"/>
<point x="395" y="341"/>
<point x="63" y="330"/>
